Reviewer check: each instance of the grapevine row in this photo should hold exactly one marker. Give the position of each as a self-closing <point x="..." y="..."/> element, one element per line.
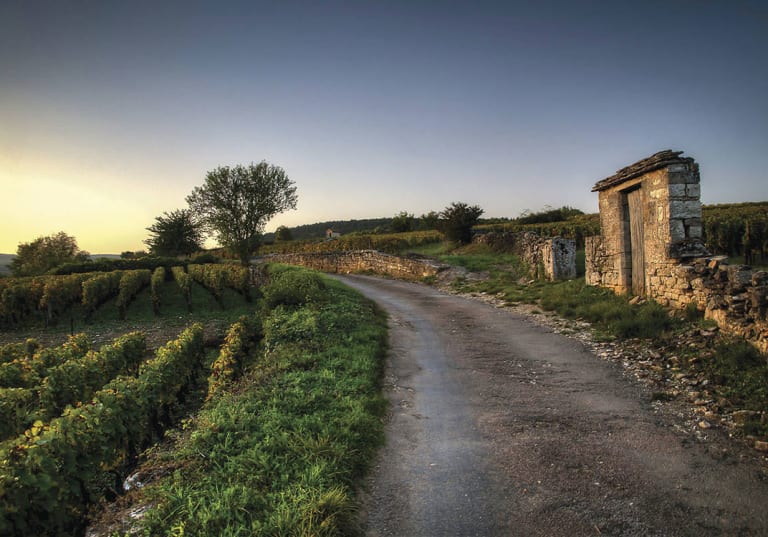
<point x="184" y="281"/>
<point x="131" y="283"/>
<point x="158" y="278"/>
<point x="73" y="375"/>
<point x="100" y="288"/>
<point x="48" y="475"/>
<point x="238" y="342"/>
<point x="30" y="364"/>
<point x="215" y="277"/>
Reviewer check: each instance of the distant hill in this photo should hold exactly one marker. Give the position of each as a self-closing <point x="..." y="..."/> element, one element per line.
<point x="5" y="263"/>
<point x="317" y="231"/>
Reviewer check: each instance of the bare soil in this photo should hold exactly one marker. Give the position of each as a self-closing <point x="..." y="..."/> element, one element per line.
<point x="500" y="426"/>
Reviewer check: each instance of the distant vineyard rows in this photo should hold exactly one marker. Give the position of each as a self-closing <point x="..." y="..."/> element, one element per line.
<point x="733" y="230"/>
<point x="50" y="296"/>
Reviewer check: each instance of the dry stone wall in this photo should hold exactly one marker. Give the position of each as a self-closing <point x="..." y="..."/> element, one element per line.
<point x="734" y="296"/>
<point x="408" y="268"/>
<point x="547" y="258"/>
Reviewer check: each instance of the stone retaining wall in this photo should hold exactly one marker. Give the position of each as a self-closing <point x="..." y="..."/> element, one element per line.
<point x="547" y="258"/>
<point x="407" y="268"/>
<point x="734" y="296"/>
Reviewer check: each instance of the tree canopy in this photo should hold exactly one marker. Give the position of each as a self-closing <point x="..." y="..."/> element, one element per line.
<point x="174" y="234"/>
<point x="283" y="233"/>
<point x="235" y="203"/>
<point x="45" y="253"/>
<point x="402" y="222"/>
<point x="456" y="221"/>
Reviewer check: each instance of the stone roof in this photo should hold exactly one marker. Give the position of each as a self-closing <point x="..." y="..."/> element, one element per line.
<point x="654" y="162"/>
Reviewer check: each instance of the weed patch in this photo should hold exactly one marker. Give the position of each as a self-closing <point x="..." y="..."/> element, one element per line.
<point x="742" y="372"/>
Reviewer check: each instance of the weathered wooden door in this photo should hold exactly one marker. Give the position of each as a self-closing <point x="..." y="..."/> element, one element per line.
<point x="635" y="202"/>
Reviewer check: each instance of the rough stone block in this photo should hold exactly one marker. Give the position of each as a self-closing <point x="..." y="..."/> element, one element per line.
<point x="677" y="191"/>
<point x="677" y="176"/>
<point x="676" y="230"/>
<point x="739" y="276"/>
<point x="685" y="209"/>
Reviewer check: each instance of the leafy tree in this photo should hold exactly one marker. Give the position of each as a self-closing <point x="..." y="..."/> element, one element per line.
<point x="456" y="221"/>
<point x="133" y="255"/>
<point x="282" y="233"/>
<point x="174" y="234"/>
<point x="402" y="222"/>
<point x="429" y="221"/>
<point x="45" y="253"/>
<point x="548" y="215"/>
<point x="236" y="203"/>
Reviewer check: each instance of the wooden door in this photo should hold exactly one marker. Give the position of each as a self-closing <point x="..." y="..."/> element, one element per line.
<point x="635" y="201"/>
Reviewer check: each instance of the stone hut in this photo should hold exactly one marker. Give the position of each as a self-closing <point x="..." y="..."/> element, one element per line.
<point x="650" y="222"/>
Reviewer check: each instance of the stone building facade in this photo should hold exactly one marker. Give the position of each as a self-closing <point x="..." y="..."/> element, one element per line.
<point x="650" y="222"/>
<point x="651" y="245"/>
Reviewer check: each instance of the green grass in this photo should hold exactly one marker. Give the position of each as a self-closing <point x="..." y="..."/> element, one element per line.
<point x="609" y="313"/>
<point x="482" y="258"/>
<point x="283" y="452"/>
<point x="741" y="372"/>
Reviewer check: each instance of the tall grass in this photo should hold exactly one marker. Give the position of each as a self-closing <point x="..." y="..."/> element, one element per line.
<point x="608" y="312"/>
<point x="742" y="372"/>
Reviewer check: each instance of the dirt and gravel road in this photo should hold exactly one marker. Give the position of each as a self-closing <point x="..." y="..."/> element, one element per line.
<point x="498" y="426"/>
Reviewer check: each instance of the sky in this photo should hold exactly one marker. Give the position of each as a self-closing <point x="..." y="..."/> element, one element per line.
<point x="111" y="112"/>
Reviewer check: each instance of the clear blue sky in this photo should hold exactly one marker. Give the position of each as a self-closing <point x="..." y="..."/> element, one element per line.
<point x="111" y="112"/>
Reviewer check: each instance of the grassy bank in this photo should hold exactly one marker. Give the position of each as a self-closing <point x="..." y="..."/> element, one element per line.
<point x="280" y="451"/>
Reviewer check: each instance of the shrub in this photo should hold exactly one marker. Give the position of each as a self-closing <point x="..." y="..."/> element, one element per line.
<point x="293" y="287"/>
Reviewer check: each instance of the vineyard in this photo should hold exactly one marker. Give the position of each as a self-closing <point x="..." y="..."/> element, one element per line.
<point x="736" y="230"/>
<point x="575" y="228"/>
<point x="47" y="299"/>
<point x="75" y="420"/>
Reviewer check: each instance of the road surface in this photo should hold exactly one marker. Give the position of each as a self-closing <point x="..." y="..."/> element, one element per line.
<point x="498" y="426"/>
